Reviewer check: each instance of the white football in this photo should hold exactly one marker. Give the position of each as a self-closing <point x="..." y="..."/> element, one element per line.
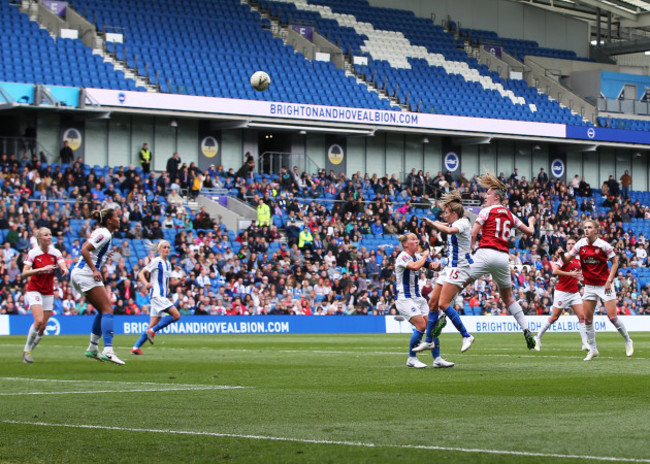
<point x="260" y="81"/>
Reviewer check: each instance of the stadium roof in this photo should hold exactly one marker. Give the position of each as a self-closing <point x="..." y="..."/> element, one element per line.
<point x="629" y="19"/>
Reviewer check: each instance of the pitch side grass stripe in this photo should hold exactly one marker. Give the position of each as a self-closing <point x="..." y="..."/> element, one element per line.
<point x="334" y="442"/>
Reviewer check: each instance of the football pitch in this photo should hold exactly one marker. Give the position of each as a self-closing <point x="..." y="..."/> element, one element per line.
<point x="325" y="399"/>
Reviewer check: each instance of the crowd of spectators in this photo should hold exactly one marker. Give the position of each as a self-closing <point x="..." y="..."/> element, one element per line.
<point x="305" y="255"/>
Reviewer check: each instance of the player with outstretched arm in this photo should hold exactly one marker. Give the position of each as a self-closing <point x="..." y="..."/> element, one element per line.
<point x="451" y="280"/>
<point x="495" y="223"/>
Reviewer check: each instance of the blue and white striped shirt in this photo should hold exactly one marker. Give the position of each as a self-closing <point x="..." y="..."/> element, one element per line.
<point x="458" y="245"/>
<point x="159" y="270"/>
<point x="101" y="240"/>
<point x="406" y="281"/>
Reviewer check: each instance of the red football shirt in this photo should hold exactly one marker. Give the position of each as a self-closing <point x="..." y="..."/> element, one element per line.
<point x="566" y="283"/>
<point x="497" y="223"/>
<point x="593" y="259"/>
<point x="36" y="258"/>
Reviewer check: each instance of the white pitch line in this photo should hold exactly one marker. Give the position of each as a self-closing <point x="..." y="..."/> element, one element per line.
<point x="335" y="442"/>
<point x="207" y="387"/>
<point x="107" y="382"/>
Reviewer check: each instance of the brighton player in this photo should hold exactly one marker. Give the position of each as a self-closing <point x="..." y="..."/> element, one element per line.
<point x="452" y="279"/>
<point x="495" y="223"/>
<point x="40" y="267"/>
<point x="408" y="300"/>
<point x="159" y="270"/>
<point x="594" y="254"/>
<point x="566" y="295"/>
<point x="86" y="278"/>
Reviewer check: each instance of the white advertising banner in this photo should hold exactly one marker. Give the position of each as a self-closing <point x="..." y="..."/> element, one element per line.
<point x="507" y="324"/>
<point x="4" y="324"/>
<point x="319" y="113"/>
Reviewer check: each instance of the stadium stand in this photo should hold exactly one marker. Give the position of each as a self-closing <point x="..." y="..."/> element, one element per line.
<point x="346" y="269"/>
<point x="210" y="48"/>
<point x="418" y="62"/>
<point x="517" y="47"/>
<point x="38" y="59"/>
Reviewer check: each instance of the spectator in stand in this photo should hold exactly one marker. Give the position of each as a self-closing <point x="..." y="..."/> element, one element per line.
<point x="247" y="168"/>
<point x="612" y="185"/>
<point x="66" y="154"/>
<point x="145" y="158"/>
<point x="626" y="182"/>
<point x="542" y="178"/>
<point x="173" y="166"/>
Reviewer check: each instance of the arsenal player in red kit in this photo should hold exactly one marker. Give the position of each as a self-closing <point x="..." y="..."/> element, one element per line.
<point x="594" y="254"/>
<point x="40" y="266"/>
<point x="496" y="223"/>
<point x="567" y="295"/>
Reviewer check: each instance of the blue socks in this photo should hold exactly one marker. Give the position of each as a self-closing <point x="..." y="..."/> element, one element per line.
<point x="97" y="325"/>
<point x="107" y="329"/>
<point x="415" y="340"/>
<point x="431" y="323"/>
<point x="141" y="340"/>
<point x="436" y="351"/>
<point x="164" y="322"/>
<point x="455" y="319"/>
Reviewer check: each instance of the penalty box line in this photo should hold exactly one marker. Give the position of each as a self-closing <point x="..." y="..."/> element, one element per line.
<point x="333" y="442"/>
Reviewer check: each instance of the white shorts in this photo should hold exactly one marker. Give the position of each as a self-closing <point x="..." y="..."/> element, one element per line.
<point x="442" y="276"/>
<point x="596" y="292"/>
<point x="83" y="280"/>
<point x="159" y="305"/>
<point x="37" y="298"/>
<point x="457" y="276"/>
<point x="412" y="307"/>
<point x="494" y="262"/>
<point x="564" y="300"/>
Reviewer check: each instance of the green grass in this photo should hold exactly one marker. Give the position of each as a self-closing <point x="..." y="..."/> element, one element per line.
<point x="324" y="398"/>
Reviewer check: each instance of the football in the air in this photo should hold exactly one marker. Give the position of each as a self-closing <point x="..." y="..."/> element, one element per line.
<point x="260" y="81"/>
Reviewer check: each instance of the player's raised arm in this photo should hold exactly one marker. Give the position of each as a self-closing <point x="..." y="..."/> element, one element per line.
<point x="530" y="228"/>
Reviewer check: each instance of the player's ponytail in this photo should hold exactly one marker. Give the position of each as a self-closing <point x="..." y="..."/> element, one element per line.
<point x="489" y="180"/>
<point x="453" y="201"/>
<point x="102" y="215"/>
<point x="155" y="247"/>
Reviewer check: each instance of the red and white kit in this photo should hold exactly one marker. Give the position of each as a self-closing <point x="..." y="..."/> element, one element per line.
<point x="593" y="260"/>
<point x="40" y="288"/>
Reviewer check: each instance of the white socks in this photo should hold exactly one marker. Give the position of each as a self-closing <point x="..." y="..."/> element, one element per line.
<point x="591" y="336"/>
<point x="31" y="336"/>
<point x="515" y="310"/>
<point x="94" y="341"/>
<point x="544" y="328"/>
<point x="583" y="332"/>
<point x="621" y="328"/>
